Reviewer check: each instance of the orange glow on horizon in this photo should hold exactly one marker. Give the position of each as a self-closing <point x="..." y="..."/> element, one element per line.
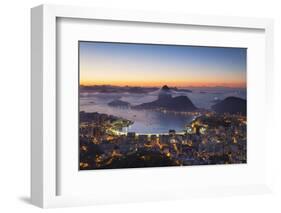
<point x="142" y="65"/>
<point x="169" y="83"/>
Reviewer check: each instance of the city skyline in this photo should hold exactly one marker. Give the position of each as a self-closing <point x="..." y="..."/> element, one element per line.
<point x="124" y="64"/>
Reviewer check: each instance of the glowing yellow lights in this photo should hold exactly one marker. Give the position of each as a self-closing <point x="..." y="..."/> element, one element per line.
<point x="83" y="165"/>
<point x="84" y="148"/>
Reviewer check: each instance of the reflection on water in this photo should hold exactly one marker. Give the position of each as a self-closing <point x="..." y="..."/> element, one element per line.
<point x="158" y="122"/>
<point x="146" y="121"/>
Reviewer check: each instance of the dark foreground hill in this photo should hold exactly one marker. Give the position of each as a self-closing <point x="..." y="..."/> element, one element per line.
<point x="232" y="105"/>
<point x="140" y="159"/>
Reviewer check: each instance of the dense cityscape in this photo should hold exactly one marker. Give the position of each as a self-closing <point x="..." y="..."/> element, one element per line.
<point x="211" y="138"/>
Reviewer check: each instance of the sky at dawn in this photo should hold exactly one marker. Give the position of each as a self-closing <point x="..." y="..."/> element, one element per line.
<point x="124" y="64"/>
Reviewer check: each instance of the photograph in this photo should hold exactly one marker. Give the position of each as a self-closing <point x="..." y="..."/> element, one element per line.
<point x="158" y="105"/>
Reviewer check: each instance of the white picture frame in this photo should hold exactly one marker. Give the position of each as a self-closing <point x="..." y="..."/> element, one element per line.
<point x="44" y="155"/>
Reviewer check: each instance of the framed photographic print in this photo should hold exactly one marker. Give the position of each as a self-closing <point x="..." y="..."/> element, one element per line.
<point x="148" y="105"/>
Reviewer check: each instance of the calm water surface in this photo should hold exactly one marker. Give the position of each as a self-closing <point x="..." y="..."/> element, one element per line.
<point x="147" y="121"/>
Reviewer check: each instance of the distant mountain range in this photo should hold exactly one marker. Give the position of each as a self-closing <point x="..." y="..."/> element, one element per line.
<point x="180" y="90"/>
<point x="231" y="105"/>
<point x="116" y="89"/>
<point x="125" y="89"/>
<point x="166" y="101"/>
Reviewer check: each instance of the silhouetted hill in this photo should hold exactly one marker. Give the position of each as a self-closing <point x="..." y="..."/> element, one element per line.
<point x="118" y="103"/>
<point x="165" y="88"/>
<point x="180" y="103"/>
<point x="231" y="105"/>
<point x="164" y="93"/>
<point x="166" y="101"/>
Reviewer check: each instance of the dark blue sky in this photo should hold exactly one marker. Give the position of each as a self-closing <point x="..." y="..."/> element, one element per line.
<point x="151" y="64"/>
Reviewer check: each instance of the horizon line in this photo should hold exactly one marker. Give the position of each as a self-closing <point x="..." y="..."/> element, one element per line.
<point x="178" y="86"/>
